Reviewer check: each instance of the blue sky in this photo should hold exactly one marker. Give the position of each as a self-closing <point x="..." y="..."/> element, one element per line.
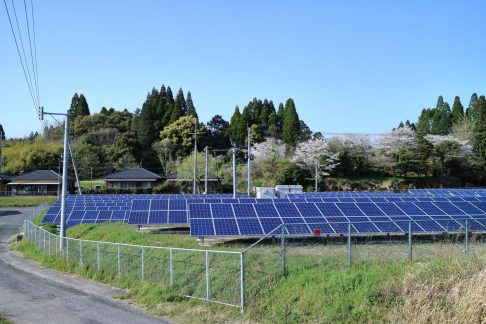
<point x="350" y="66"/>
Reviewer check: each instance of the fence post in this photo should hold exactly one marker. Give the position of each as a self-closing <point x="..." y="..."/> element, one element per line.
<point x="49" y="236"/>
<point x="242" y="280"/>
<point x="80" y="252"/>
<point x="283" y="250"/>
<point x="118" y="263"/>
<point x="67" y="248"/>
<point x="207" y="275"/>
<point x="44" y="241"/>
<point x="466" y="237"/>
<point x="349" y="244"/>
<point x="410" y="240"/>
<point x="171" y="269"/>
<point x="98" y="256"/>
<point x="143" y="264"/>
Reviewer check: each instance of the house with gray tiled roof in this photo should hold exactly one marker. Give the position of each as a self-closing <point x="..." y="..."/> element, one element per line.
<point x="133" y="178"/>
<point x="38" y="182"/>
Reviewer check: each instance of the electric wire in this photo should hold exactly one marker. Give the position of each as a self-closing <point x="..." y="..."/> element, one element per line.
<point x="34" y="68"/>
<point x="19" y="55"/>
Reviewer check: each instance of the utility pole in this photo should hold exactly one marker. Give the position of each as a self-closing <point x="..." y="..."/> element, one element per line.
<point x="206" y="170"/>
<point x="41" y="114"/>
<point x="2" y="135"/>
<point x="80" y="192"/>
<point x="249" y="159"/>
<point x="91" y="183"/>
<point x="194" y="185"/>
<point x="234" y="171"/>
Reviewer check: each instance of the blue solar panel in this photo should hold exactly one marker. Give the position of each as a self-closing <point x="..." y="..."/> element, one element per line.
<point x="177" y="217"/>
<point x="288" y="210"/>
<point x="308" y="210"/>
<point x="350" y="209"/>
<point x="200" y="210"/>
<point x="250" y="226"/>
<point x="222" y="210"/>
<point x="225" y="226"/>
<point x="409" y="208"/>
<point x="329" y="209"/>
<point x="429" y="208"/>
<point x="370" y="209"/>
<point x="158" y="217"/>
<point x="159" y="204"/>
<point x="202" y="227"/>
<point x="270" y="224"/>
<point x="266" y="210"/>
<point x="244" y="211"/>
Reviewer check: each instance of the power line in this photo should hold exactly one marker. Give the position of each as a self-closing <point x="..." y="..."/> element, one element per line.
<point x="31" y="54"/>
<point x="35" y="51"/>
<point x="20" y="56"/>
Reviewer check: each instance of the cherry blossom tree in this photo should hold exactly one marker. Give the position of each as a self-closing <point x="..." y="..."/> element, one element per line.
<point x="271" y="148"/>
<point x="315" y="156"/>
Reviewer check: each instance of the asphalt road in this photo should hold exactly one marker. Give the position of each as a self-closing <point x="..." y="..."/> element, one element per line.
<point x="32" y="294"/>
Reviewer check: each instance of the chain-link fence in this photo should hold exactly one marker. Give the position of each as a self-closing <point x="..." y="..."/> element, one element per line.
<point x="239" y="278"/>
<point x="209" y="275"/>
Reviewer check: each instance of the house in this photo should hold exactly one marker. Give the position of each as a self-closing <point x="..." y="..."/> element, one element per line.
<point x="214" y="181"/>
<point x="4" y="179"/>
<point x="132" y="179"/>
<point x="38" y="182"/>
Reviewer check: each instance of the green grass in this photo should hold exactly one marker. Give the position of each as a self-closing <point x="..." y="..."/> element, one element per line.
<point x="318" y="287"/>
<point x="3" y="320"/>
<point x="25" y="201"/>
<point x="86" y="184"/>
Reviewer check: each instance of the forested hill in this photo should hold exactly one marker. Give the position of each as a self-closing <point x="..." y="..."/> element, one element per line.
<point x="162" y="127"/>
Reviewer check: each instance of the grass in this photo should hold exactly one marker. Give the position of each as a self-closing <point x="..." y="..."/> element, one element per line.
<point x="382" y="286"/>
<point x="29" y="201"/>
<point x="3" y="320"/>
<point x="86" y="184"/>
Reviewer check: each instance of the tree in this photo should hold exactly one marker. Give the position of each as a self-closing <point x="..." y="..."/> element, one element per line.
<point x="315" y="157"/>
<point x="270" y="149"/>
<point x="424" y="122"/>
<point x="219" y="130"/>
<point x="457" y="111"/>
<point x="73" y="109"/>
<point x="305" y="133"/>
<point x="191" y="110"/>
<point x="480" y="129"/>
<point x="234" y="124"/>
<point x="472" y="108"/>
<point x="291" y="124"/>
<point x="180" y="107"/>
<point x="441" y="118"/>
<point x="83" y="108"/>
<point x="181" y="135"/>
<point x="2" y="133"/>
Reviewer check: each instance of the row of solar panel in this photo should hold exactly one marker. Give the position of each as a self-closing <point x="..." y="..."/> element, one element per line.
<point x="259" y="219"/>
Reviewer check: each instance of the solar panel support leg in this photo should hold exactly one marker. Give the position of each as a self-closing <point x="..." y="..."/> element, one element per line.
<point x="466" y="237"/>
<point x="171" y="269"/>
<point x="410" y="243"/>
<point x="143" y="264"/>
<point x="283" y="252"/>
<point x="349" y="245"/>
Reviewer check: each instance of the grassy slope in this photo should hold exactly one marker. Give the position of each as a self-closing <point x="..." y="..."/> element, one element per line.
<point x="3" y="320"/>
<point x="317" y="288"/>
<point x="25" y="201"/>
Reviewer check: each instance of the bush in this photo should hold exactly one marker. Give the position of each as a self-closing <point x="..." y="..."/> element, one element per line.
<point x="167" y="188"/>
<point x="289" y="173"/>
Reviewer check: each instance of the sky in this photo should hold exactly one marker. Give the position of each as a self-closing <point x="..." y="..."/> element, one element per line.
<point x="350" y="66"/>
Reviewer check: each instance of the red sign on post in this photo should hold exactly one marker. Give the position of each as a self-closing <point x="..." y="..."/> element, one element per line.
<point x="317" y="231"/>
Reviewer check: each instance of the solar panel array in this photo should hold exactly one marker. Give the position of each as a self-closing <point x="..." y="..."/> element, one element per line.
<point x="330" y="212"/>
<point x="132" y="209"/>
<point x="303" y="218"/>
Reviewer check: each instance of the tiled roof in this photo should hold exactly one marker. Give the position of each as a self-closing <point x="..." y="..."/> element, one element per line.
<point x="39" y="175"/>
<point x="4" y="176"/>
<point x="133" y="174"/>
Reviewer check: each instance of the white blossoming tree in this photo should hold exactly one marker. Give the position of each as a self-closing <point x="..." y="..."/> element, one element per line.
<point x="271" y="148"/>
<point x="315" y="156"/>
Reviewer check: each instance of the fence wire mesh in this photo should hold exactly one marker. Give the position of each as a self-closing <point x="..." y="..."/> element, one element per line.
<point x="240" y="278"/>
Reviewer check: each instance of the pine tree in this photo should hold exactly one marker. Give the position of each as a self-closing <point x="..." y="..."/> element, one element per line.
<point x="179" y="109"/>
<point x="401" y="125"/>
<point x="457" y="111"/>
<point x="234" y="124"/>
<point x="480" y="129"/>
<point x="2" y="133"/>
<point x="73" y="109"/>
<point x="471" y="110"/>
<point x="441" y="118"/>
<point x="280" y="118"/>
<point x="291" y="124"/>
<point x="424" y="122"/>
<point x="191" y="110"/>
<point x="83" y="108"/>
